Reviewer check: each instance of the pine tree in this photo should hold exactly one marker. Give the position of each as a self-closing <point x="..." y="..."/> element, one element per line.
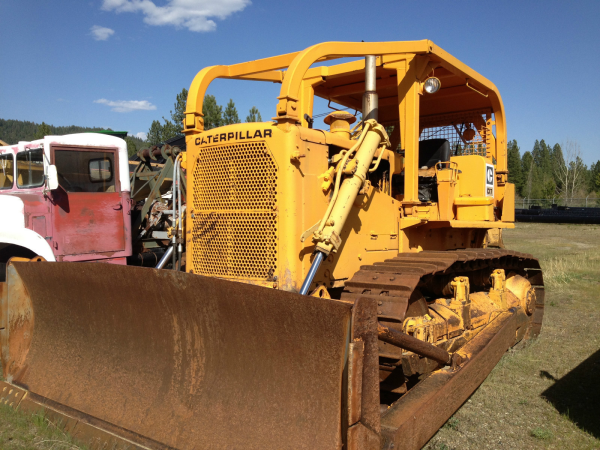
<point x="543" y="176"/>
<point x="230" y="116"/>
<point x="169" y="130"/>
<point x="515" y="171"/>
<point x="178" y="115"/>
<point x="155" y="133"/>
<point x="253" y="115"/>
<point x="213" y="113"/>
<point x="528" y="174"/>
<point x="131" y="147"/>
<point x="558" y="161"/>
<point x="594" y="178"/>
<point x="42" y="131"/>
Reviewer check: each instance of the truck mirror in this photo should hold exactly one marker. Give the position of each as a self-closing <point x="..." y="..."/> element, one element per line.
<point x="52" y="178"/>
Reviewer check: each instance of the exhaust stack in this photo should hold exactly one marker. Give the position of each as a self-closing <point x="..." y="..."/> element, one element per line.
<point x="370" y="98"/>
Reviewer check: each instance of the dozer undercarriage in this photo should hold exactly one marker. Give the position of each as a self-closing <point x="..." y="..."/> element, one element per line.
<point x="338" y="293"/>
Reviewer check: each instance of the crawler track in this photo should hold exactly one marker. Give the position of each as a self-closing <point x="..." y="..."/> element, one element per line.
<point x="396" y="282"/>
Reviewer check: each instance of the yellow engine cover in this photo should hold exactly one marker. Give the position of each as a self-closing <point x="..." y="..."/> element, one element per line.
<point x="254" y="189"/>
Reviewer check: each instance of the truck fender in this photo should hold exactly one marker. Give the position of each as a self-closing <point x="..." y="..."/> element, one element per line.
<point x="28" y="239"/>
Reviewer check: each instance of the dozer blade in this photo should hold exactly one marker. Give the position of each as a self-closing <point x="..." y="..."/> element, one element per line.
<point x="163" y="359"/>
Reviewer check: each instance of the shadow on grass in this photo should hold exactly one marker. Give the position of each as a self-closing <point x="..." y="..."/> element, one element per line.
<point x="577" y="394"/>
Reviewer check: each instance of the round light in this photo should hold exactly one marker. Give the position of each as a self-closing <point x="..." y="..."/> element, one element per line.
<point x="468" y="134"/>
<point x="432" y="85"/>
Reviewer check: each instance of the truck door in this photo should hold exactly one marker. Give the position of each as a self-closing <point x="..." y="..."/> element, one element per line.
<point x="88" y="205"/>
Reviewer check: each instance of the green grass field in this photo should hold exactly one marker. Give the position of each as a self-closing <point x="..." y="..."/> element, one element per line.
<point x="542" y="395"/>
<point x="31" y="432"/>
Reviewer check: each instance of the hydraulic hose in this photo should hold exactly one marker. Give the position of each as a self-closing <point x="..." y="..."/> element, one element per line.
<point x="338" y="176"/>
<point x="176" y="213"/>
<point x="327" y="236"/>
<point x="363" y="152"/>
<point x="179" y="211"/>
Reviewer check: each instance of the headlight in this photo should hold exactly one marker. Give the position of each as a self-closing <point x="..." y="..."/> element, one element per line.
<point x="432" y="85"/>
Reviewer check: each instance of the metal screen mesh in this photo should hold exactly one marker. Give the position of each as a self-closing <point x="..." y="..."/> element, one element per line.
<point x="463" y="130"/>
<point x="235" y="219"/>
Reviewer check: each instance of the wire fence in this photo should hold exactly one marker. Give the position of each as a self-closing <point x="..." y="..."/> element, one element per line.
<point x="587" y="202"/>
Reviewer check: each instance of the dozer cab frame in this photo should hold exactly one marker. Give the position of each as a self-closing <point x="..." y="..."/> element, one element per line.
<point x="383" y="225"/>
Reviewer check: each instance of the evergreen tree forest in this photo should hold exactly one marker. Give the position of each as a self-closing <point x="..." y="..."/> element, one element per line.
<point x="215" y="116"/>
<point x="544" y="172"/>
<point x="552" y="171"/>
<point x="13" y="131"/>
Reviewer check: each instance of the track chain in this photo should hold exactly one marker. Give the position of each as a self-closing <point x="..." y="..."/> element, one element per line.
<point x="392" y="282"/>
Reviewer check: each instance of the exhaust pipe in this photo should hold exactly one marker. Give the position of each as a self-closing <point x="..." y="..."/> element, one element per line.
<point x="370" y="98"/>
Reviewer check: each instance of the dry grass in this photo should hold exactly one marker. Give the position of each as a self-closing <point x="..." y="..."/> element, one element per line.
<point x="561" y="271"/>
<point x="22" y="431"/>
<point x="546" y="393"/>
<point x="543" y="395"/>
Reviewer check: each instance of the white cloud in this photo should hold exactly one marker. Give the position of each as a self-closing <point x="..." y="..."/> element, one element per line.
<point x="101" y="33"/>
<point x="143" y="136"/>
<point x="191" y="14"/>
<point x="124" y="106"/>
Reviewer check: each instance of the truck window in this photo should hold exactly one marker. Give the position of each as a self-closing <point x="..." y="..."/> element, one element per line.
<point x="30" y="168"/>
<point x="84" y="171"/>
<point x="100" y="170"/>
<point x="7" y="171"/>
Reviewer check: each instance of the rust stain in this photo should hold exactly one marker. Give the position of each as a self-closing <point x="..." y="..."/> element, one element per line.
<point x="185" y="359"/>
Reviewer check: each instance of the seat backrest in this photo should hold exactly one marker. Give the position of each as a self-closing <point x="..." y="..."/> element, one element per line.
<point x="433" y="151"/>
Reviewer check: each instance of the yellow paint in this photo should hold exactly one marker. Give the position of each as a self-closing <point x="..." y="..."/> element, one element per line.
<point x="255" y="188"/>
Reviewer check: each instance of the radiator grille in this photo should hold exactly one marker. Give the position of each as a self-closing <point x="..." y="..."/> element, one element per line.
<point x="235" y="219"/>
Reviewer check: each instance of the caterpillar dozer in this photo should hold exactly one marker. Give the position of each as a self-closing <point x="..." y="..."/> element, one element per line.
<point x="336" y="293"/>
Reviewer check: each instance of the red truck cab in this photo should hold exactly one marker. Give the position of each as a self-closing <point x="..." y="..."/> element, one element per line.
<point x="66" y="198"/>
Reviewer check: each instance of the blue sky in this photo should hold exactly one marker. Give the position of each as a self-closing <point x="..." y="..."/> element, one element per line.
<point x="120" y="63"/>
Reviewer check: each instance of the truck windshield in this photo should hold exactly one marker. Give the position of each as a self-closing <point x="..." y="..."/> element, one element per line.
<point x="30" y="168"/>
<point x="7" y="171"/>
<point x="85" y="171"/>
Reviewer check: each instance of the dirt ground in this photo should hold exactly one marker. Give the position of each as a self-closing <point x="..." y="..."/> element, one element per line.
<point x="542" y="395"/>
<point x="545" y="394"/>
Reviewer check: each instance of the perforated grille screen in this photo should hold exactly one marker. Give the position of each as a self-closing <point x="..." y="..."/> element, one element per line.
<point x="465" y="131"/>
<point x="235" y="219"/>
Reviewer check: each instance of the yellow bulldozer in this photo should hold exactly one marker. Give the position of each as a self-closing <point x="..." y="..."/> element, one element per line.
<point x="337" y="293"/>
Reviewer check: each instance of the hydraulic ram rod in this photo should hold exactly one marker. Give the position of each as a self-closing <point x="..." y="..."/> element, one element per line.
<point x="403" y="340"/>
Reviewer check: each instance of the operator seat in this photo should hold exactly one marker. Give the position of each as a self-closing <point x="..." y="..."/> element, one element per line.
<point x="433" y="151"/>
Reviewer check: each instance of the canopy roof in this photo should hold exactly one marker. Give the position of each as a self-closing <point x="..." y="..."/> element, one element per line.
<point x="463" y="89"/>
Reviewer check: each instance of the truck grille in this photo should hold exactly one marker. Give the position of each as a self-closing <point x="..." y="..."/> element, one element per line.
<point x="234" y="228"/>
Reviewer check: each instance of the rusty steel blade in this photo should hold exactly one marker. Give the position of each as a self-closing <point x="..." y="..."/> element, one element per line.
<point x="176" y="360"/>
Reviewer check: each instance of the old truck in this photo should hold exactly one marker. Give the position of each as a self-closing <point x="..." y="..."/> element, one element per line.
<point x="78" y="198"/>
